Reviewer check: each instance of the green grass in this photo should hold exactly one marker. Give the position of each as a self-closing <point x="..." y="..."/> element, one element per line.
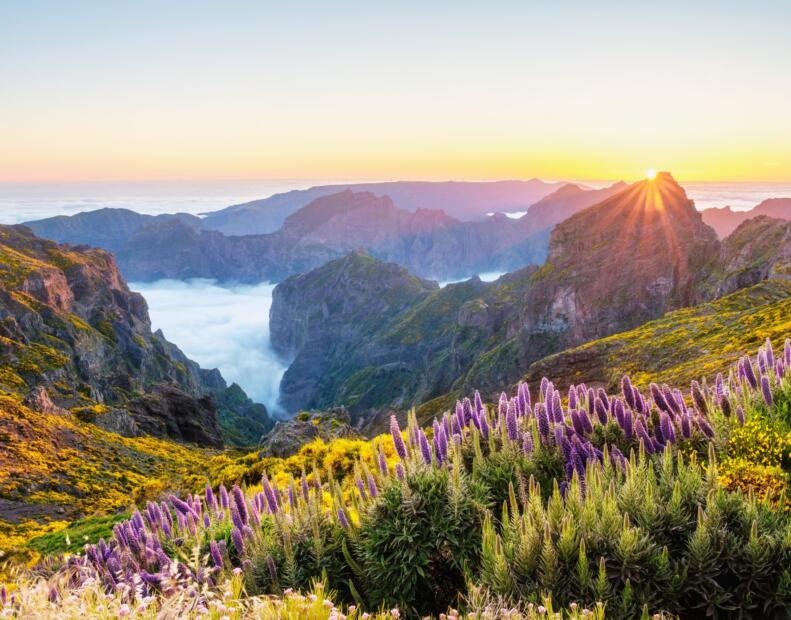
<point x="82" y="532"/>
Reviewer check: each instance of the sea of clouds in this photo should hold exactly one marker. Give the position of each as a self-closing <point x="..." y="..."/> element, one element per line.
<point x="220" y="326"/>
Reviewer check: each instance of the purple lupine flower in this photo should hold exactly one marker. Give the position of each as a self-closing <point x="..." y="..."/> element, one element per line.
<point x="527" y="442"/>
<point x="372" y="490"/>
<point x="601" y="411"/>
<point x="670" y="399"/>
<point x="270" y="495"/>
<point x="704" y="426"/>
<point x="342" y="519"/>
<point x="628" y="391"/>
<point x="642" y="433"/>
<point x="543" y="419"/>
<point x="699" y="398"/>
<point x="425" y="448"/>
<point x="478" y="401"/>
<point x="305" y="487"/>
<point x="617" y="410"/>
<point x="549" y="395"/>
<point x="576" y="421"/>
<point x="360" y="488"/>
<point x="557" y="407"/>
<point x="181" y="507"/>
<point x="502" y="406"/>
<point x="787" y="352"/>
<point x="719" y="386"/>
<point x="399" y="470"/>
<point x="511" y="429"/>
<point x="216" y="555"/>
<point x="725" y="405"/>
<point x="241" y="504"/>
<point x="740" y="414"/>
<point x="627" y="426"/>
<point x="466" y="406"/>
<point x="749" y="372"/>
<point x="591" y="399"/>
<point x="586" y="421"/>
<point x="761" y="359"/>
<point x="659" y="398"/>
<point x="572" y="398"/>
<point x="292" y="493"/>
<point x="666" y="424"/>
<point x="398" y="440"/>
<point x="236" y="518"/>
<point x="224" y="499"/>
<point x="211" y="500"/>
<point x="779" y="369"/>
<point x="484" y="426"/>
<point x="523" y="392"/>
<point x="766" y="390"/>
<point x="382" y="461"/>
<point x="238" y="540"/>
<point x="686" y="427"/>
<point x="603" y="397"/>
<point x="544" y="385"/>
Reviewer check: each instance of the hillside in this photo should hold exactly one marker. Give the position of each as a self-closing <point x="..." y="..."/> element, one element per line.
<point x="75" y="340"/>
<point x="682" y="346"/>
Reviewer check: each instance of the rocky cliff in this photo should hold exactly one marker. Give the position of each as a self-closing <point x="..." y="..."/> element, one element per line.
<point x="73" y="334"/>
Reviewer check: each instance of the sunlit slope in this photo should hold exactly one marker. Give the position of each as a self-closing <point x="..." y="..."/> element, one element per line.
<point x="681" y="346"/>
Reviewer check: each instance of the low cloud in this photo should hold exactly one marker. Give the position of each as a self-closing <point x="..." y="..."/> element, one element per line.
<point x="220" y="326"/>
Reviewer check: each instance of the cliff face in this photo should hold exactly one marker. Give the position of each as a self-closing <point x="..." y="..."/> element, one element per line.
<point x="70" y="325"/>
<point x="758" y="249"/>
<point x="621" y="263"/>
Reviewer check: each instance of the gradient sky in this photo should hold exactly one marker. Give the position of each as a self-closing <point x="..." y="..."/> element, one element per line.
<point x="353" y="90"/>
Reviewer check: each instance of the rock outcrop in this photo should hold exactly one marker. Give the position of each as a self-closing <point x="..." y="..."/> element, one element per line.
<point x="287" y="437"/>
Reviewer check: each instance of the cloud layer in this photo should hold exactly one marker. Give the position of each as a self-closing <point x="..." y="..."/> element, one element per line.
<point x="220" y="326"/>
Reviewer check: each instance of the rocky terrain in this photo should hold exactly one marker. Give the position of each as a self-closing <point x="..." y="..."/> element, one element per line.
<point x="725" y="220"/>
<point x="429" y="242"/>
<point x="287" y="437"/>
<point x="75" y="340"/>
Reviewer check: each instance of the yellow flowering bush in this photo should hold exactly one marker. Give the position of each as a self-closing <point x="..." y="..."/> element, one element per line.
<point x="759" y="441"/>
<point x="766" y="481"/>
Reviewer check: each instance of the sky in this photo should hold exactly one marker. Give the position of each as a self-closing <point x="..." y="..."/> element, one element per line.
<point x="373" y="90"/>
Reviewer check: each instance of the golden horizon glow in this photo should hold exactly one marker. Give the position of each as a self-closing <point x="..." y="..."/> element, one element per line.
<point x="650" y="174"/>
<point x="132" y="91"/>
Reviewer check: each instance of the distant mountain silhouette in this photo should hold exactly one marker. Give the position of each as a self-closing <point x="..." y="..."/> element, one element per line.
<point x="725" y="220"/>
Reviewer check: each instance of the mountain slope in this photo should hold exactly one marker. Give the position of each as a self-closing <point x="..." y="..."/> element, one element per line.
<point x="74" y="338"/>
<point x="681" y="346"/>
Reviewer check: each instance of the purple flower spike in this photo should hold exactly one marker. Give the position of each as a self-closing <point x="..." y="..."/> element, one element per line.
<point x="238" y="540"/>
<point x="399" y="469"/>
<point x="484" y="426"/>
<point x="787" y="352"/>
<point x="749" y="373"/>
<point x="305" y="487"/>
<point x="425" y="448"/>
<point x="224" y="499"/>
<point x="686" y="427"/>
<point x="628" y="391"/>
<point x="372" y="490"/>
<point x="360" y="489"/>
<point x="382" y="461"/>
<point x="241" y="504"/>
<point x="502" y="406"/>
<point x="478" y="401"/>
<point x="719" y="386"/>
<point x="627" y="426"/>
<point x="270" y="495"/>
<point x="557" y="407"/>
<point x="601" y="411"/>
<point x="766" y="390"/>
<point x="527" y="443"/>
<point x="543" y="419"/>
<point x="586" y="421"/>
<point x="398" y="440"/>
<point x="576" y="421"/>
<point x="216" y="554"/>
<point x="342" y="519"/>
<point x="699" y="398"/>
<point x="211" y="501"/>
<point x="603" y="397"/>
<point x="544" y="385"/>
<point x="740" y="414"/>
<point x="510" y="422"/>
<point x="725" y="405"/>
<point x="705" y="427"/>
<point x="659" y="398"/>
<point x="572" y="398"/>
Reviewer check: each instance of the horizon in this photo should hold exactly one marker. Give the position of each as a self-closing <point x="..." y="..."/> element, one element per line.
<point x="248" y="91"/>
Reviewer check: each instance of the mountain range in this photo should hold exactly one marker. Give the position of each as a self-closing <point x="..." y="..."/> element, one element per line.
<point x="725" y="220"/>
<point x="375" y="338"/>
<point x="428" y="241"/>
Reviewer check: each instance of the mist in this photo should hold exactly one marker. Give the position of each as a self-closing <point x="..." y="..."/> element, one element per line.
<point x="220" y="326"/>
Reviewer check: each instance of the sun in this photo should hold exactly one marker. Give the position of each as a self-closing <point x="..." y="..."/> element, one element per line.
<point x="650" y="174"/>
